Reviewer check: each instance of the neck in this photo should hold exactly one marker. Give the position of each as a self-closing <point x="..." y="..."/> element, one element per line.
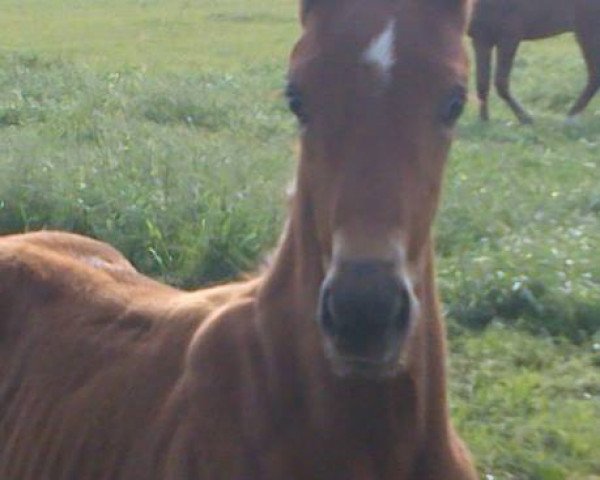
<point x="287" y="300"/>
<point x="297" y="270"/>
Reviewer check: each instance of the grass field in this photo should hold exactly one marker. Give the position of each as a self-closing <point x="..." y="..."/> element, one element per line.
<point x="159" y="127"/>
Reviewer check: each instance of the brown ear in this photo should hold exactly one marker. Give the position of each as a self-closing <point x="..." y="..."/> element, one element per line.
<point x="305" y="6"/>
<point x="452" y="3"/>
<point x="456" y="5"/>
<point x="460" y="7"/>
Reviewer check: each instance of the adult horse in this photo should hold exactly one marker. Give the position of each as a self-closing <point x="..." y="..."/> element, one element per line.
<point x="329" y="365"/>
<point x="503" y="24"/>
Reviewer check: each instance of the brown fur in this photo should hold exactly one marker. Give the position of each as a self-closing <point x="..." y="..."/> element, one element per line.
<point x="106" y="374"/>
<point x="503" y="24"/>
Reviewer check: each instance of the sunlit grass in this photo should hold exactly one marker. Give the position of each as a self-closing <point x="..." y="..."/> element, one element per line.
<point x="528" y="406"/>
<point x="180" y="35"/>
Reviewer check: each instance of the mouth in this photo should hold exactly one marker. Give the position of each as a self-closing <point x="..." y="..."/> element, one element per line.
<point x="364" y="369"/>
<point x="384" y="359"/>
<point x="359" y="367"/>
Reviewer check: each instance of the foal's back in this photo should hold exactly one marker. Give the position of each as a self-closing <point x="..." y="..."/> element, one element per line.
<point x="90" y="351"/>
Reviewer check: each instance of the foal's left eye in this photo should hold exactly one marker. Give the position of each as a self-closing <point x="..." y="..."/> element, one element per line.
<point x="453" y="106"/>
<point x="296" y="102"/>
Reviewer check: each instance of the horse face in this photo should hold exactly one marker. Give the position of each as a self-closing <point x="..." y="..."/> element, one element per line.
<point x="377" y="87"/>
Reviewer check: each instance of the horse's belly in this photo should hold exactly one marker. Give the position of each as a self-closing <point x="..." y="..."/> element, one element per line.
<point x="548" y="22"/>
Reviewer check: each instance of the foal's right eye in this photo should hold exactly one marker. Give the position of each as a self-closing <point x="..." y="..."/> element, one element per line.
<point x="453" y="106"/>
<point x="296" y="102"/>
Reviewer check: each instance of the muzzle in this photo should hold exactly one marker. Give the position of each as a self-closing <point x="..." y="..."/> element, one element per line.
<point x="365" y="314"/>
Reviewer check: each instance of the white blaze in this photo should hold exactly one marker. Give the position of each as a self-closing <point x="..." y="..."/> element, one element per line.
<point x="380" y="51"/>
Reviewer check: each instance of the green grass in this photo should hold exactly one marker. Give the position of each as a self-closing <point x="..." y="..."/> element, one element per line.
<point x="169" y="168"/>
<point x="153" y="35"/>
<point x="527" y="406"/>
<point x="159" y="127"/>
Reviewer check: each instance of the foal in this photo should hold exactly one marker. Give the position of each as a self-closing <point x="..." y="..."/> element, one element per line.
<point x="503" y="24"/>
<point x="331" y="365"/>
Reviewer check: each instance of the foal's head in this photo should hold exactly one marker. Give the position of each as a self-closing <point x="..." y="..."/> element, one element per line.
<point x="377" y="86"/>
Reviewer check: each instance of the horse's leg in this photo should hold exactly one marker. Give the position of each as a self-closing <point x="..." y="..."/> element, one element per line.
<point x="588" y="37"/>
<point x="483" y="61"/>
<point x="506" y="51"/>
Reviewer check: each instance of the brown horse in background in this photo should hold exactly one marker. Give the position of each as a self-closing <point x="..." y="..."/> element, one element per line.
<point x="328" y="366"/>
<point x="503" y="24"/>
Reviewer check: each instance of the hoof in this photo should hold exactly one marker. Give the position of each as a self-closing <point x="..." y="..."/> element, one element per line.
<point x="572" y="120"/>
<point x="526" y="120"/>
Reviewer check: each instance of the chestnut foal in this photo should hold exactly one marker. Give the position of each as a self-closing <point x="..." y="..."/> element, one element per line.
<point x="328" y="366"/>
<point x="503" y="24"/>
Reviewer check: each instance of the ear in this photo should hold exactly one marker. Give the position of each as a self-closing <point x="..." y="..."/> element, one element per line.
<point x="460" y="7"/>
<point x="452" y="4"/>
<point x="305" y="7"/>
<point x="305" y="4"/>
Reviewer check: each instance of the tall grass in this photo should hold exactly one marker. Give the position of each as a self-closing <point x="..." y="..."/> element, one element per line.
<point x="183" y="173"/>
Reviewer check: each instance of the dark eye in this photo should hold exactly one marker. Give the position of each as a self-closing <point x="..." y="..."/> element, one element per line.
<point x="453" y="106"/>
<point x="296" y="102"/>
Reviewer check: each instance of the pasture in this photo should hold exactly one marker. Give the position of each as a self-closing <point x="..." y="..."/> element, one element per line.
<point x="160" y="127"/>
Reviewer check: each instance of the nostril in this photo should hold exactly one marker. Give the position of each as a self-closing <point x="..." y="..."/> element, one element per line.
<point x="403" y="308"/>
<point x="353" y="318"/>
<point x="325" y="314"/>
<point x="360" y="307"/>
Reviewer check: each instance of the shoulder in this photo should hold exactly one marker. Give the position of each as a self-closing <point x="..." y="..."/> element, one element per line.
<point x="225" y="362"/>
<point x="224" y="341"/>
<point x="223" y="391"/>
